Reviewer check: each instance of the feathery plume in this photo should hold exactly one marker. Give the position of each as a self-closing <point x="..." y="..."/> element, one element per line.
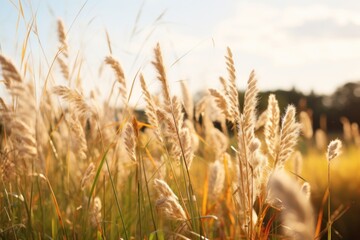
<point x="62" y="37"/>
<point x="78" y="135"/>
<point x="297" y="212"/>
<point x="216" y="179"/>
<point x="167" y="202"/>
<point x="288" y="136"/>
<point x="88" y="175"/>
<point x="271" y="129"/>
<point x="120" y="76"/>
<point x="250" y="102"/>
<point x="95" y="217"/>
<point x="321" y="139"/>
<point x="76" y="100"/>
<point x="159" y="65"/>
<point x="221" y="102"/>
<point x="187" y="100"/>
<point x="9" y="72"/>
<point x="306" y="125"/>
<point x="334" y="149"/>
<point x="130" y="142"/>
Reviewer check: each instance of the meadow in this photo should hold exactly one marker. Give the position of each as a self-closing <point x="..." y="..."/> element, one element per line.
<point x="76" y="167"/>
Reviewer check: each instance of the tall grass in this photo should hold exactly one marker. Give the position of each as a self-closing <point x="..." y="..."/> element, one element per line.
<point x="75" y="167"/>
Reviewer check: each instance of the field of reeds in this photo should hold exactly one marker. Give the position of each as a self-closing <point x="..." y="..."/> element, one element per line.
<point x="76" y="167"/>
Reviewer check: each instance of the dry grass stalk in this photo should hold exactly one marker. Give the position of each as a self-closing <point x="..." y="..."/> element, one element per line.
<point x="95" y="218"/>
<point x="216" y="175"/>
<point x="62" y="58"/>
<point x="231" y="90"/>
<point x="9" y="72"/>
<point x="130" y="141"/>
<point x="221" y="103"/>
<point x="355" y="133"/>
<point x="78" y="135"/>
<point x="62" y="37"/>
<point x="88" y="175"/>
<point x="297" y="212"/>
<point x="321" y="139"/>
<point x="120" y="76"/>
<point x="261" y="120"/>
<point x="187" y="100"/>
<point x="249" y="111"/>
<point x="297" y="163"/>
<point x="288" y="136"/>
<point x="271" y="130"/>
<point x="159" y="65"/>
<point x="76" y="100"/>
<point x="306" y="125"/>
<point x="334" y="149"/>
<point x="346" y="129"/>
<point x="306" y="189"/>
<point x="167" y="202"/>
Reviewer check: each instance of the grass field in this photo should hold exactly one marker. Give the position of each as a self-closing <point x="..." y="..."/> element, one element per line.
<point x="75" y="167"/>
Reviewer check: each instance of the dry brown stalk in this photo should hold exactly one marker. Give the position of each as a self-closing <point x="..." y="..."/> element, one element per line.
<point x="120" y="76"/>
<point x="76" y="100"/>
<point x="151" y="108"/>
<point x="321" y="139"/>
<point x="250" y="102"/>
<point x="88" y="175"/>
<point x="159" y="65"/>
<point x="9" y="72"/>
<point x="167" y="202"/>
<point x="306" y="125"/>
<point x="62" y="38"/>
<point x="297" y="212"/>
<point x="130" y="141"/>
<point x="288" y="136"/>
<point x="271" y="130"/>
<point x="221" y="102"/>
<point x="187" y="100"/>
<point x="78" y="135"/>
<point x="334" y="149"/>
<point x="216" y="179"/>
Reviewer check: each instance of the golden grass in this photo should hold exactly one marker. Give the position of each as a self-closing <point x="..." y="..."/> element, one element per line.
<point x="78" y="168"/>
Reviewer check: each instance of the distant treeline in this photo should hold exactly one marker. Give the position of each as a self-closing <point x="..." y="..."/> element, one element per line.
<point x="325" y="111"/>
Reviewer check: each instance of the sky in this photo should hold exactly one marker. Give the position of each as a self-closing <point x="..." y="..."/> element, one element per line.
<point x="309" y="45"/>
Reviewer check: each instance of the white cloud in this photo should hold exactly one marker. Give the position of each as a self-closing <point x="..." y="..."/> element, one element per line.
<point x="284" y="35"/>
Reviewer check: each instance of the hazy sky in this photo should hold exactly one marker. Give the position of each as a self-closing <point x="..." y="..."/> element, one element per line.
<point x="310" y="45"/>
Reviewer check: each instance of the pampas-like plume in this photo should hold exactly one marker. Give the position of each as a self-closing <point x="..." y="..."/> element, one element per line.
<point x="334" y="149"/>
<point x="159" y="65"/>
<point x="261" y="120"/>
<point x="120" y="76"/>
<point x="150" y="109"/>
<point x="297" y="212"/>
<point x="306" y="125"/>
<point x="76" y="100"/>
<point x="288" y="136"/>
<point x="231" y="90"/>
<point x="250" y="102"/>
<point x="9" y="72"/>
<point x="187" y="100"/>
<point x="216" y="179"/>
<point x="62" y="37"/>
<point x="221" y="103"/>
<point x="321" y="139"/>
<point x="88" y="175"/>
<point x="271" y="130"/>
<point x="130" y="142"/>
<point x="167" y="202"/>
<point x="79" y="137"/>
<point x="63" y="49"/>
<point x="95" y="217"/>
